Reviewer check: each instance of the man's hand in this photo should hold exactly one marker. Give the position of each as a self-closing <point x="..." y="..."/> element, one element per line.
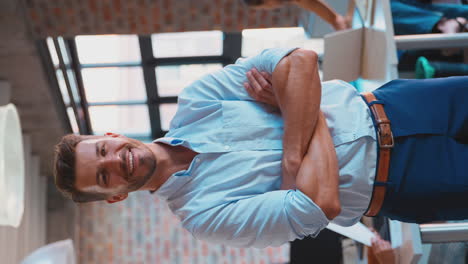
<point x="382" y="250"/>
<point x="341" y="22"/>
<point x="259" y="87"/>
<point x="318" y="177"/>
<point x="290" y="169"/>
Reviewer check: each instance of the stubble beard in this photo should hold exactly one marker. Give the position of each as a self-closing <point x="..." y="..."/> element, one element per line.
<point x="146" y="160"/>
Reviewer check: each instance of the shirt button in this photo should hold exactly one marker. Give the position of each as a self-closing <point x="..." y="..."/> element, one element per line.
<point x="227" y="147"/>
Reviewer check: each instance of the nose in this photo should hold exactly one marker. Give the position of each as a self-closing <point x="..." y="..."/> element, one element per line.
<point x="113" y="163"/>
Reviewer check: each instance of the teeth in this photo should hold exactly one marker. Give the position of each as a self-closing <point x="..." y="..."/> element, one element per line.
<point x="131" y="162"/>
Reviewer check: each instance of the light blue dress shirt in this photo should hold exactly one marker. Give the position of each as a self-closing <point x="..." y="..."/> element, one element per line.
<point x="229" y="194"/>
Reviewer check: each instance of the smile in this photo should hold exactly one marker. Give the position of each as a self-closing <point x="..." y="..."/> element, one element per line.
<point x="130" y="162"/>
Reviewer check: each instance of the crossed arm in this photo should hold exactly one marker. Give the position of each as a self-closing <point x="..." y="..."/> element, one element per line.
<point x="309" y="158"/>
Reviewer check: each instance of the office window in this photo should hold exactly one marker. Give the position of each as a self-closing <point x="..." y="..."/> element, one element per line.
<point x="122" y="119"/>
<point x="174" y="78"/>
<point x="256" y="40"/>
<point x="187" y="44"/>
<point x="129" y="84"/>
<point x="108" y="49"/>
<point x="114" y="84"/>
<point x="167" y="113"/>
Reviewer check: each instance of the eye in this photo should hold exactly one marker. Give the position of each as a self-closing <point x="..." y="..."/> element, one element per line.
<point x="103" y="150"/>
<point x="104" y="178"/>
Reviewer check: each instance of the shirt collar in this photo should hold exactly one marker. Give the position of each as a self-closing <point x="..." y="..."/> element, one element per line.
<point x="178" y="179"/>
<point x="171" y="141"/>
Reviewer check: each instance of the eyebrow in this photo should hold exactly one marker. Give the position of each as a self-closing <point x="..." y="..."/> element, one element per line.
<point x="98" y="180"/>
<point x="97" y="150"/>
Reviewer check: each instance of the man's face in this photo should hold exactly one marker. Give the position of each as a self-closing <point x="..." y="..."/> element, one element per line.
<point x="112" y="165"/>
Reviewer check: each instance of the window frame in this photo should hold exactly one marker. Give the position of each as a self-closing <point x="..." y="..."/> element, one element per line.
<point x="231" y="51"/>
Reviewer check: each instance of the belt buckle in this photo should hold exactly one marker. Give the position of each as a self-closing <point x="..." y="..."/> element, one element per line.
<point x="385" y="146"/>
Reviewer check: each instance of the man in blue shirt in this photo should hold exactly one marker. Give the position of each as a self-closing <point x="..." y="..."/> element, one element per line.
<point x="255" y="167"/>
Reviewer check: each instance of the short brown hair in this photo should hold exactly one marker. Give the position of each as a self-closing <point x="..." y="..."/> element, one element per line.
<point x="64" y="172"/>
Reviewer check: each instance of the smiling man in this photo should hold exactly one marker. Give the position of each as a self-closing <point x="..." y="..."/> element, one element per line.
<point x="251" y="161"/>
<point x="105" y="166"/>
<point x="94" y="168"/>
<point x="226" y="158"/>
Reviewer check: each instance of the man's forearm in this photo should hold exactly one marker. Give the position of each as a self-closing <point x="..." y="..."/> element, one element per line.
<point x="297" y="89"/>
<point x="322" y="9"/>
<point x="318" y="176"/>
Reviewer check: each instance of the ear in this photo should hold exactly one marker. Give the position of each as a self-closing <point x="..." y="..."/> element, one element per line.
<point x="117" y="198"/>
<point x="110" y="134"/>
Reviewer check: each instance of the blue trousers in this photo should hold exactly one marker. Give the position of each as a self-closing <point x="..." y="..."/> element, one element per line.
<point x="413" y="17"/>
<point x="428" y="177"/>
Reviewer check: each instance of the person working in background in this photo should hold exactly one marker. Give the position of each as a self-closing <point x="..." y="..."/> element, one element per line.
<point x="381" y="251"/>
<point x="415" y="17"/>
<point x="319" y="7"/>
<point x="252" y="163"/>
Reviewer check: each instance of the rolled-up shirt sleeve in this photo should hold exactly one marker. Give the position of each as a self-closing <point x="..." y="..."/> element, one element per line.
<point x="268" y="219"/>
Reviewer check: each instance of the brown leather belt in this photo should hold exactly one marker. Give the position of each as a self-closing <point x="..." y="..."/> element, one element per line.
<point x="385" y="139"/>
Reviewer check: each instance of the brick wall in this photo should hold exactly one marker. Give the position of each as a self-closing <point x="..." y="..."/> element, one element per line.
<point x="141" y="229"/>
<point x="72" y="17"/>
